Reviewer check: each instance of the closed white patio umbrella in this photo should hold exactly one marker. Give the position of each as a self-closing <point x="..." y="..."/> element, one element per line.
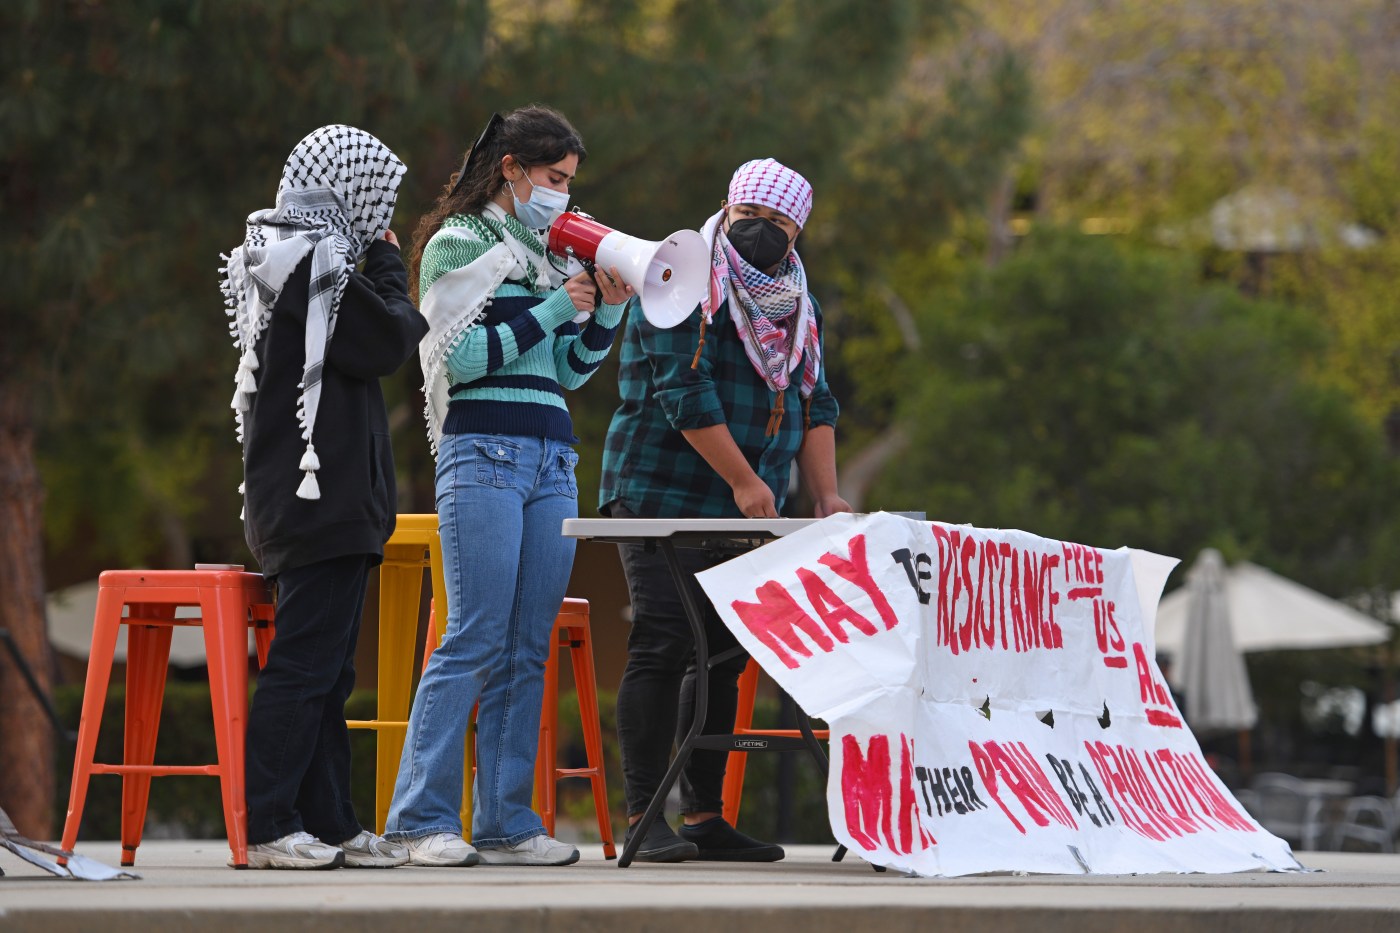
<point x="1268" y="612"/>
<point x="1212" y="674"/>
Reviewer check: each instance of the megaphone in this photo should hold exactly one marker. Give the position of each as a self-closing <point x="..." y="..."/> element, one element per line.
<point x="668" y="276"/>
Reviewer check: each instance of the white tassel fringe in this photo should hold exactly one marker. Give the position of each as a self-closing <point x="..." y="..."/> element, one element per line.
<point x="309" y="489"/>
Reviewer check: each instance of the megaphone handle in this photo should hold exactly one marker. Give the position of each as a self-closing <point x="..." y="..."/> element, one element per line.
<point x="589" y="266"/>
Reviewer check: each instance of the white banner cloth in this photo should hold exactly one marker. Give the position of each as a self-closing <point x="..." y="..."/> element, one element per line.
<point x="934" y="652"/>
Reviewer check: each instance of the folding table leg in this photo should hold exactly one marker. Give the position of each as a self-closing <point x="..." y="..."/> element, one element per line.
<point x="702" y="698"/>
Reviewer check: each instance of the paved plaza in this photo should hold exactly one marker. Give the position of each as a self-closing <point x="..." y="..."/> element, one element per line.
<point x="186" y="886"/>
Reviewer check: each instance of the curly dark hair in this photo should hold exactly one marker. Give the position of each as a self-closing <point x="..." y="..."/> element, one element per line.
<point x="534" y="135"/>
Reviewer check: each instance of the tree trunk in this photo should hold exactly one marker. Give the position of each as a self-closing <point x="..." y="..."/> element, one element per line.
<point x="861" y="470"/>
<point x="26" y="739"/>
<point x="999" y="236"/>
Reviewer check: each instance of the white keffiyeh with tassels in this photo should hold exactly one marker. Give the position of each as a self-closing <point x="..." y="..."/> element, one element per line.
<point x="335" y="199"/>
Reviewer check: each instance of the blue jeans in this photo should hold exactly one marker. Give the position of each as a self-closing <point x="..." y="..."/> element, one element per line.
<point x="501" y="504"/>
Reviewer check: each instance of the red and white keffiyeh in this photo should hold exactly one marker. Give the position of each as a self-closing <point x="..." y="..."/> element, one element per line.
<point x="772" y="184"/>
<point x="772" y="314"/>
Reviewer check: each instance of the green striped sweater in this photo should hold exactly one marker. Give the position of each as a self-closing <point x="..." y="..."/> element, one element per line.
<point x="510" y="370"/>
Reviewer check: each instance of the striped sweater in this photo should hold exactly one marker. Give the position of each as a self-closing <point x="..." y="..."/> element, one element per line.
<point x="510" y="370"/>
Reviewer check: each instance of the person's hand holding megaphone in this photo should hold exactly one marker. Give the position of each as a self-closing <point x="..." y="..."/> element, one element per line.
<point x="583" y="289"/>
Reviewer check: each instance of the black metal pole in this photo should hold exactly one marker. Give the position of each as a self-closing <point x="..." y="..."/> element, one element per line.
<point x="27" y="673"/>
<point x="702" y="692"/>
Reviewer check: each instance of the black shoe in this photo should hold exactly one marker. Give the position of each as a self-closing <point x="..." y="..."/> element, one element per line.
<point x="660" y="844"/>
<point x="720" y="842"/>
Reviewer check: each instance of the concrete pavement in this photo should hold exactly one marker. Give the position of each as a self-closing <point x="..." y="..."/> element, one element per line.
<point x="186" y="886"/>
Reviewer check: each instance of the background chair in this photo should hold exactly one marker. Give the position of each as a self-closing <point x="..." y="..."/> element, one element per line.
<point x="1285" y="808"/>
<point x="1372" y="820"/>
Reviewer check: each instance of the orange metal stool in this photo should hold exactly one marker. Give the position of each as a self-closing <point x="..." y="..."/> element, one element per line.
<point x="229" y="601"/>
<point x="737" y="761"/>
<point x="571" y="631"/>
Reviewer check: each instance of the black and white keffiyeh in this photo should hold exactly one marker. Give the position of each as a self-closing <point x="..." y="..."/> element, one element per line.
<point x="336" y="197"/>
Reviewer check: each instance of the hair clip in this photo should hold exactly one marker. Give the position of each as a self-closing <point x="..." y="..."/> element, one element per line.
<point x="491" y="126"/>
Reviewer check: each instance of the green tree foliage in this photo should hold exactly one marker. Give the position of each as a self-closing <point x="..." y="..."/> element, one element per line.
<point x="1152" y="109"/>
<point x="1091" y="391"/>
<point x="1081" y="389"/>
<point x="897" y="131"/>
<point x="139" y="134"/>
<point x="1149" y="113"/>
<point x="137" y="137"/>
<point x="1355" y="288"/>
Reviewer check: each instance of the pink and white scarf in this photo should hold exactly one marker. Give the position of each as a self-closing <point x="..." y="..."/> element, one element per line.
<point x="773" y="315"/>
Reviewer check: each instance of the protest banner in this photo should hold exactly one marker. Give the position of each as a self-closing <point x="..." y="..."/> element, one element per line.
<point x="993" y="700"/>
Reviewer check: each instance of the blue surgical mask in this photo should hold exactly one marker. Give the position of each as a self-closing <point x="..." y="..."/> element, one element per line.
<point x="544" y="205"/>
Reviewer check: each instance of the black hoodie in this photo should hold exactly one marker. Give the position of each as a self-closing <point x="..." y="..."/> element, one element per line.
<point x="377" y="329"/>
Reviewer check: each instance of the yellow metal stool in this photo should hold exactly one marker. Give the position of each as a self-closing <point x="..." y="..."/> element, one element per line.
<point x="413" y="549"/>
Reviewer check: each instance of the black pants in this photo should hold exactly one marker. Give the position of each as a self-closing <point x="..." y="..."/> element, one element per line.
<point x="656" y="700"/>
<point x="298" y="748"/>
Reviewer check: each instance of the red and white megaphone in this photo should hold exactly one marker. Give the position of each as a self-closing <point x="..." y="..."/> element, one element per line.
<point x="669" y="276"/>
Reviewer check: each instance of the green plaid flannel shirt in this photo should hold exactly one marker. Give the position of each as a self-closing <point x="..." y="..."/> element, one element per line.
<point x="648" y="465"/>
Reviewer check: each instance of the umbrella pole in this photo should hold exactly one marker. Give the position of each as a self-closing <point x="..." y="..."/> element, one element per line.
<point x="1246" y="757"/>
<point x="1381" y="609"/>
<point x="1388" y="745"/>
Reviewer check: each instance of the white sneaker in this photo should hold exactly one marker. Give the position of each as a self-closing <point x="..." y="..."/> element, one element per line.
<point x="367" y="850"/>
<point x="537" y="850"/>
<point x="295" y="850"/>
<point x="441" y="849"/>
